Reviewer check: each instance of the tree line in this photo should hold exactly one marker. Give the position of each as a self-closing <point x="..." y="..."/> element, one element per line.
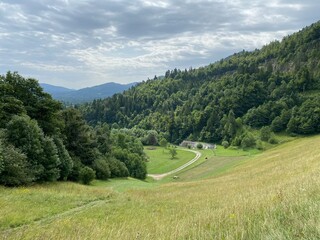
<point x="41" y="141"/>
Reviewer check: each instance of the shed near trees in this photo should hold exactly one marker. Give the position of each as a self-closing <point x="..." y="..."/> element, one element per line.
<point x="192" y="144"/>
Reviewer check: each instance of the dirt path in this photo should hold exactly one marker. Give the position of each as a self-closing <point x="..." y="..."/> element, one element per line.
<point x="162" y="175"/>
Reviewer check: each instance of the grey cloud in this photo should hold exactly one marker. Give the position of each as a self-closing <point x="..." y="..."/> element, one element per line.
<point x="122" y="40"/>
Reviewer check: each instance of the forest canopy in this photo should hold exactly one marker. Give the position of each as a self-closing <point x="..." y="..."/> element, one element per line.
<point x="277" y="86"/>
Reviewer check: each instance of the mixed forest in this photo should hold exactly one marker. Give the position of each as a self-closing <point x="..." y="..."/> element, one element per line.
<point x="41" y="141"/>
<point x="274" y="89"/>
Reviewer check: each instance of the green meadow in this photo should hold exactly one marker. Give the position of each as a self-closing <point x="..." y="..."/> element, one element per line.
<point x="226" y="194"/>
<point x="160" y="160"/>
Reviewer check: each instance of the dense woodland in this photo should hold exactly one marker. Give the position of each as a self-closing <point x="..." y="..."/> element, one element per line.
<point x="276" y="88"/>
<point x="40" y="141"/>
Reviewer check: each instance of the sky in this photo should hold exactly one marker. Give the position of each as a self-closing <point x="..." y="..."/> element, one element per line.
<point x="81" y="43"/>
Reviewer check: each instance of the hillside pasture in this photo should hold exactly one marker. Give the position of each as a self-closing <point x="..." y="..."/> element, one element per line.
<point x="272" y="195"/>
<point x="160" y="161"/>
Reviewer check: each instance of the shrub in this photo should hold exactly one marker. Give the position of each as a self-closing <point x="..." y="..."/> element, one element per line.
<point x="199" y="146"/>
<point x="248" y="141"/>
<point x="225" y="144"/>
<point x="151" y="138"/>
<point x="102" y="169"/>
<point x="163" y="142"/>
<point x="86" y="175"/>
<point x="265" y="133"/>
<point x="273" y="140"/>
<point x="236" y="141"/>
<point x="117" y="168"/>
<point x="138" y="168"/>
<point x="260" y="145"/>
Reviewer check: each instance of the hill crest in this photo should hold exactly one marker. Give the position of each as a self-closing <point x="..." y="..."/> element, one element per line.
<point x="71" y="96"/>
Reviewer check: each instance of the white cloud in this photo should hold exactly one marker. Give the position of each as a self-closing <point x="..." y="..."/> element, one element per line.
<point x="161" y="53"/>
<point x="278" y="4"/>
<point x="48" y="67"/>
<point x="91" y="41"/>
<point x="158" y="4"/>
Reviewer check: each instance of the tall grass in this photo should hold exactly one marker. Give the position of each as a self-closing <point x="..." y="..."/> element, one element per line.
<point x="274" y="195"/>
<point x="23" y="205"/>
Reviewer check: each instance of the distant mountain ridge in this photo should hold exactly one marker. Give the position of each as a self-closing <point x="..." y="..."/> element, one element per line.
<point x="72" y="96"/>
<point x="55" y="89"/>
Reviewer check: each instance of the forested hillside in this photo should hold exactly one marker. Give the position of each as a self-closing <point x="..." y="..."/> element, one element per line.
<point x="276" y="88"/>
<point x="40" y="141"/>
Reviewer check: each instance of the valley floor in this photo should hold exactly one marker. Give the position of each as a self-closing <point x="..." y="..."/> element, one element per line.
<point x="272" y="195"/>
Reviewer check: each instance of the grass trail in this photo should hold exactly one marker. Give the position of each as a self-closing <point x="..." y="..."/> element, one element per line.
<point x="25" y="205"/>
<point x="60" y="215"/>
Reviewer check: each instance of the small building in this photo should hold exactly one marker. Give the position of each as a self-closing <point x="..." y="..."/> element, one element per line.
<point x="209" y="146"/>
<point x="190" y="144"/>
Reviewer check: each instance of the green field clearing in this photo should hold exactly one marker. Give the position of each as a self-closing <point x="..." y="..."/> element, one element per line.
<point x="159" y="159"/>
<point x="272" y="195"/>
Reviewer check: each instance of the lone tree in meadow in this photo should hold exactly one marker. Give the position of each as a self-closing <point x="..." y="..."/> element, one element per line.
<point x="173" y="152"/>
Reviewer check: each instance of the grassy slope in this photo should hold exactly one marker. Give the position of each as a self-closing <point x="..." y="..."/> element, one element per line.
<point x="274" y="195"/>
<point x="214" y="162"/>
<point x="160" y="159"/>
<point x="27" y="204"/>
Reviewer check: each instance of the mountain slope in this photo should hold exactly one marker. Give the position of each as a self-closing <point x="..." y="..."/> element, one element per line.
<point x="277" y="86"/>
<point x="85" y="94"/>
<point x="53" y="90"/>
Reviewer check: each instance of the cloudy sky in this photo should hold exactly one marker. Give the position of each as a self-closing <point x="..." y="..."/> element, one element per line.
<point x="80" y="43"/>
